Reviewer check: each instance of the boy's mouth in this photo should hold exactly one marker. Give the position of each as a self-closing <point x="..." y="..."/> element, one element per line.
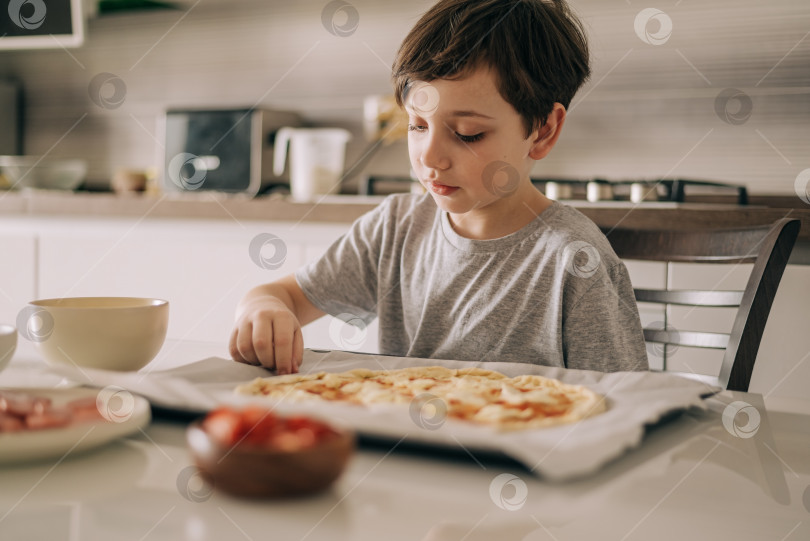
<point x="441" y="189"/>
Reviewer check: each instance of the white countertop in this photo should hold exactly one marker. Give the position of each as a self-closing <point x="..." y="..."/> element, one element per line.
<point x="690" y="479"/>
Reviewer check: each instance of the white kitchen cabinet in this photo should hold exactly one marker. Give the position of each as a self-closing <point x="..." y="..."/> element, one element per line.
<point x="18" y="274"/>
<point x="202" y="268"/>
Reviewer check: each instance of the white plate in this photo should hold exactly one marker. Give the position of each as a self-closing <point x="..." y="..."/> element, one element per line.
<point x="129" y="413"/>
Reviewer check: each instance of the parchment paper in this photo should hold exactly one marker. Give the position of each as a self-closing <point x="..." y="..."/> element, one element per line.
<point x="635" y="400"/>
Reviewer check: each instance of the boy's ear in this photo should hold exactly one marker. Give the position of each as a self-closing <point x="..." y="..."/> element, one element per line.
<point x="545" y="137"/>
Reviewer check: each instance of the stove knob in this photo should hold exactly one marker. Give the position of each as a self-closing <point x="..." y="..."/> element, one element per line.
<point x="599" y="191"/>
<point x="556" y="191"/>
<point x="640" y="191"/>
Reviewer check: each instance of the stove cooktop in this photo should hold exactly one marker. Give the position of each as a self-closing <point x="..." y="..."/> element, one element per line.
<point x="593" y="190"/>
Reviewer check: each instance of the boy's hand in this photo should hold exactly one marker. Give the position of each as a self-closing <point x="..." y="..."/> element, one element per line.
<point x="268" y="334"/>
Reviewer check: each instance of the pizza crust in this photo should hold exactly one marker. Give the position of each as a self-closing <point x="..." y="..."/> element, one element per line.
<point x="470" y="394"/>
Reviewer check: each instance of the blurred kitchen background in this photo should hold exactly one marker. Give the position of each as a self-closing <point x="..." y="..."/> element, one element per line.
<point x="724" y="94"/>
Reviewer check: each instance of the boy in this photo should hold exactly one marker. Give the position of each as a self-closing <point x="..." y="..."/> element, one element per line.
<point x="484" y="267"/>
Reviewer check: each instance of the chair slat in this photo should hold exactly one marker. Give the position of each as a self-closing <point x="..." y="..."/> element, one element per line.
<point x="768" y="247"/>
<point x="693" y="339"/>
<point x="690" y="297"/>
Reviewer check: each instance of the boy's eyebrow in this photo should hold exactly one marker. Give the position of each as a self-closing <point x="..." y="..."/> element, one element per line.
<point x="466" y="113"/>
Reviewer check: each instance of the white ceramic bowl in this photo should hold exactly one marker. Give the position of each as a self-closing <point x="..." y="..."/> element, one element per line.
<point x="110" y="333"/>
<point x="43" y="173"/>
<point x="8" y="343"/>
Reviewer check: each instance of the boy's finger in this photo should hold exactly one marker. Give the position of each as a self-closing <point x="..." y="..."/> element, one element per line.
<point x="298" y="349"/>
<point x="243" y="345"/>
<point x="233" y="349"/>
<point x="283" y="331"/>
<point x="262" y="343"/>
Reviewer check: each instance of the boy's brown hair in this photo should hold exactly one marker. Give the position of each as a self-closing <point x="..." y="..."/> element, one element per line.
<point x="536" y="48"/>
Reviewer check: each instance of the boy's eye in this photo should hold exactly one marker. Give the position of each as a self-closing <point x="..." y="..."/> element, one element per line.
<point x="470" y="138"/>
<point x="416" y="128"/>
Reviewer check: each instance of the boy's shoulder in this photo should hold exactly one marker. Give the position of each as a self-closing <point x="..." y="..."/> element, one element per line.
<point x="569" y="221"/>
<point x="570" y="227"/>
<point x="397" y="216"/>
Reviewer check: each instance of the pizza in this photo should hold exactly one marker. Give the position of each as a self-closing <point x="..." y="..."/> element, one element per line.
<point x="468" y="394"/>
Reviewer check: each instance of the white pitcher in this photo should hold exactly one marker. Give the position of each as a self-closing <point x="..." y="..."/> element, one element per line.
<point x="317" y="158"/>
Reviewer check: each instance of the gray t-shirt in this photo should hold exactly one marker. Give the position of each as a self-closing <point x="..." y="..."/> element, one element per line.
<point x="553" y="293"/>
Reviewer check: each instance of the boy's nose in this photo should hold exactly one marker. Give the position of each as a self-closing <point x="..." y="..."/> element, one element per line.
<point x="433" y="155"/>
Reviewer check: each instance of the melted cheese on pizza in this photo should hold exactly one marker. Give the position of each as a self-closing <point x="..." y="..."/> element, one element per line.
<point x="470" y="394"/>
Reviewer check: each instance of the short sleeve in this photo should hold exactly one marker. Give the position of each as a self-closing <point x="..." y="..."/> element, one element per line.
<point x="345" y="279"/>
<point x="602" y="331"/>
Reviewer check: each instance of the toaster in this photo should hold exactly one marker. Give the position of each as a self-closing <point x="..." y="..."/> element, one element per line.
<point x="222" y="150"/>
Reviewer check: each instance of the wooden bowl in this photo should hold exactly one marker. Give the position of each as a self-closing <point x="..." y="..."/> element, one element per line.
<point x="251" y="471"/>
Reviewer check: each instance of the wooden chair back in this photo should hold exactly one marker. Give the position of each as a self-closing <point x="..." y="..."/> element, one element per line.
<point x="768" y="247"/>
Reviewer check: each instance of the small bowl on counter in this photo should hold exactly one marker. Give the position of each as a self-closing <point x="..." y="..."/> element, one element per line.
<point x="255" y="453"/>
<point x="108" y="333"/>
<point x="39" y="172"/>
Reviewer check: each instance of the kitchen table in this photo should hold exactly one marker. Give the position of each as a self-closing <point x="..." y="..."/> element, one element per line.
<point x="734" y="471"/>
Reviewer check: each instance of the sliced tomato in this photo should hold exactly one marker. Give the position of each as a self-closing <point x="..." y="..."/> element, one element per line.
<point x="286" y="441"/>
<point x="224" y="425"/>
<point x="259" y="426"/>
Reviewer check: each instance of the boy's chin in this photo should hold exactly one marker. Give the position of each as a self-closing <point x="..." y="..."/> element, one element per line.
<point x="453" y="206"/>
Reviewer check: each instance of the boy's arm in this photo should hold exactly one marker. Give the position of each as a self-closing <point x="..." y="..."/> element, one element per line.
<point x="603" y="331"/>
<point x="268" y="325"/>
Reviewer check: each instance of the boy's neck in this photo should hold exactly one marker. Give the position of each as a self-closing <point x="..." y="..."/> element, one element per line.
<point x="502" y="218"/>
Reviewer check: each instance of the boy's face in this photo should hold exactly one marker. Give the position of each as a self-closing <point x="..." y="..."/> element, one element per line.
<point x="467" y="145"/>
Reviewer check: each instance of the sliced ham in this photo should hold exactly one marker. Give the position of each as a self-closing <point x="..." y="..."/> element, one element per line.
<point x="20" y="410"/>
